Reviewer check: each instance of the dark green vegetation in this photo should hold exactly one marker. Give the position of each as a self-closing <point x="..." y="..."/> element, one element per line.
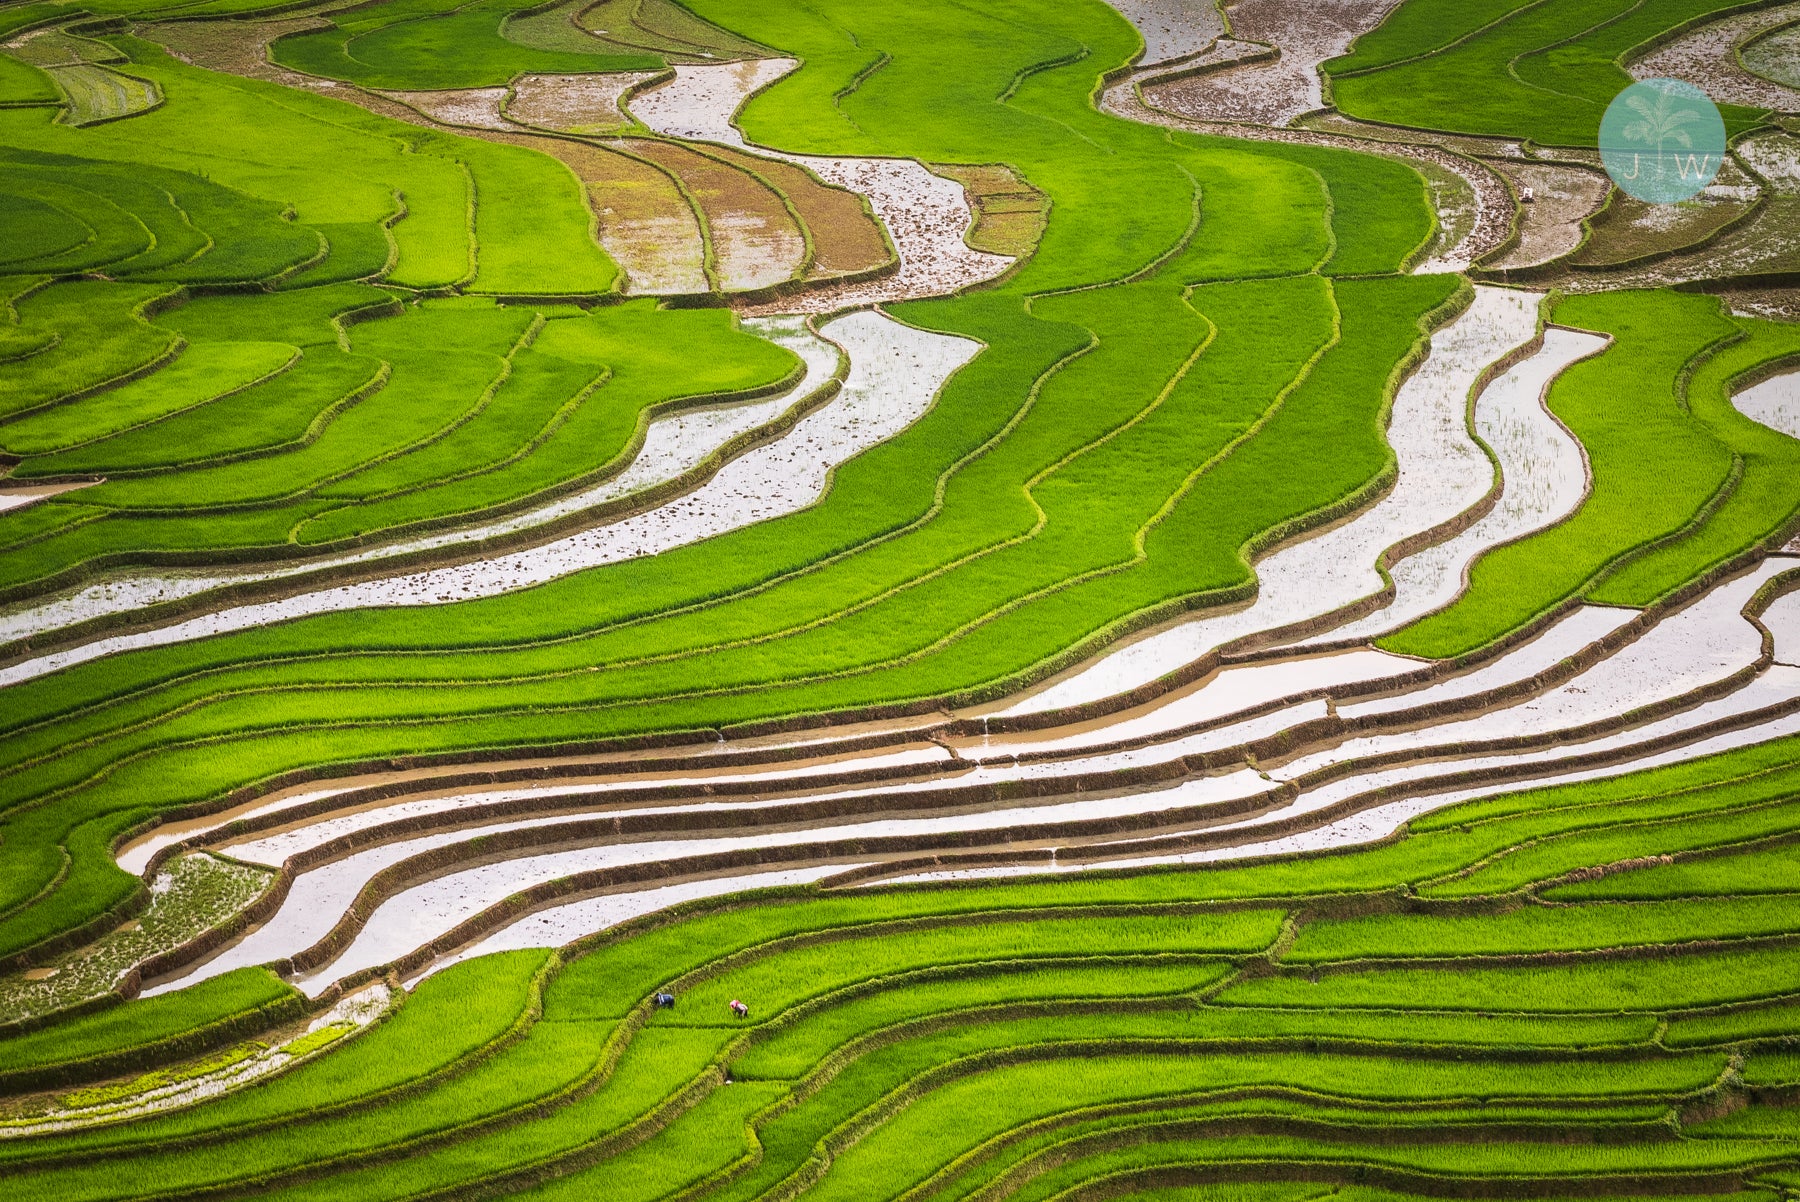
<point x="279" y="323"/>
<point x="1196" y="359"/>
<point x="436" y="45"/>
<point x="148" y="1031"/>
<point x="293" y="429"/>
<point x="1399" y="1016"/>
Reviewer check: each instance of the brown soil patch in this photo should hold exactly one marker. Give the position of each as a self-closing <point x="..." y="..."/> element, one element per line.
<point x="387" y="106"/>
<point x="468" y="108"/>
<point x="1776" y="158"/>
<point x="1010" y="214"/>
<point x="755" y="241"/>
<point x="847" y="240"/>
<point x="576" y="104"/>
<point x="661" y="27"/>
<point x="649" y="227"/>
<point x="1775" y="304"/>
<point x="644" y="221"/>
<point x="1009" y="233"/>
<point x="237" y="47"/>
<point x="1767" y="243"/>
<point x="676" y="25"/>
<point x="1550" y="226"/>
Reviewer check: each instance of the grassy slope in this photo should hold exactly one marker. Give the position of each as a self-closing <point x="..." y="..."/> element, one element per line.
<point x="1263" y="216"/>
<point x="1020" y="573"/>
<point x="481" y="406"/>
<point x="244" y="133"/>
<point x="1150" y="1051"/>
<point x="1543" y="71"/>
<point x="1034" y="1028"/>
<point x="434" y="44"/>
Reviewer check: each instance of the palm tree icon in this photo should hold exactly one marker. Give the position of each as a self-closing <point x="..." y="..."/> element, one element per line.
<point x="1659" y="123"/>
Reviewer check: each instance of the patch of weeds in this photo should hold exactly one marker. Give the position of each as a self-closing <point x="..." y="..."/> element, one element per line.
<point x="193" y="893"/>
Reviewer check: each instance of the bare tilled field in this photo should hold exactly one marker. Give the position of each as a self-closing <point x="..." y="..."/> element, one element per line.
<point x="753" y="241"/>
<point x="657" y="601"/>
<point x="238" y="47"/>
<point x="926" y="216"/>
<point x="1174" y="31"/>
<point x="1711" y="58"/>
<point x="1631" y="231"/>
<point x="1273" y="91"/>
<point x="576" y="104"/>
<point x="473" y="108"/>
<point x="1554" y="224"/>
<point x="1761" y="248"/>
<point x="646" y="222"/>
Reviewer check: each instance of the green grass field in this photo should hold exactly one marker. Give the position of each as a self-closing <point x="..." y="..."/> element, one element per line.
<point x="255" y="311"/>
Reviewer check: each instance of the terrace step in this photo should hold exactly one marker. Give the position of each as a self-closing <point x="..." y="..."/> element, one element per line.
<point x="1698" y="681"/>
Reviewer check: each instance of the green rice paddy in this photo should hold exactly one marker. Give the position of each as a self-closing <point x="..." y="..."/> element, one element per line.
<point x="259" y="316"/>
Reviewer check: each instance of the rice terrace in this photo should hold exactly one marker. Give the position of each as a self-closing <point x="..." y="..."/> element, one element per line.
<point x="946" y="600"/>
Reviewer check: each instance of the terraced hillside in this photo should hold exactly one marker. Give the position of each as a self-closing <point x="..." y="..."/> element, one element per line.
<point x="650" y="599"/>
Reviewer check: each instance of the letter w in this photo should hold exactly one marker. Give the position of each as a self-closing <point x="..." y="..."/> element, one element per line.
<point x="1695" y="168"/>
